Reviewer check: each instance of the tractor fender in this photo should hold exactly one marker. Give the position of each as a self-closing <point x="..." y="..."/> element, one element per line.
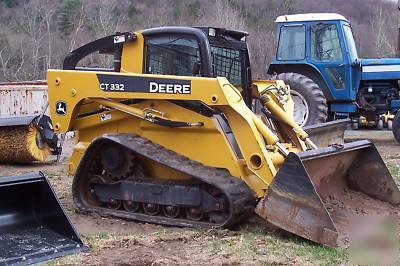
<point x="306" y="70"/>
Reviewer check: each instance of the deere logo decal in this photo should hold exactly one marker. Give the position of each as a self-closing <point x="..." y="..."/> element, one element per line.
<point x="169" y="88"/>
<point x="114" y="83"/>
<point x="61" y="108"/>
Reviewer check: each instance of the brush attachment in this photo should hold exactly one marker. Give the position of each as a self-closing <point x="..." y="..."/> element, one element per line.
<point x="22" y="144"/>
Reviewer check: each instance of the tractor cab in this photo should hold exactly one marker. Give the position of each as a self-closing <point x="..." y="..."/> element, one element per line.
<point x="199" y="51"/>
<point x="324" y="43"/>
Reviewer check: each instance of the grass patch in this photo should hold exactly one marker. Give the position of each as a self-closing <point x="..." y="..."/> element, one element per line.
<point x="395" y="171"/>
<point x="95" y="241"/>
<point x="322" y="255"/>
<point x="161" y="231"/>
<point x="51" y="174"/>
<point x="253" y="244"/>
<point x="393" y="156"/>
<point x="256" y="242"/>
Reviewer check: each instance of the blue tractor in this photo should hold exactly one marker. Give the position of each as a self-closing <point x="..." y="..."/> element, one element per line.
<point x="317" y="56"/>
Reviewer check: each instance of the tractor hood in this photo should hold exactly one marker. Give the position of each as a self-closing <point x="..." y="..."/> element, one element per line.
<point x="380" y="69"/>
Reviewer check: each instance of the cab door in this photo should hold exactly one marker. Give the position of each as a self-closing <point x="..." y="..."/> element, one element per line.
<point x="354" y="63"/>
<point x="327" y="54"/>
<point x="172" y="54"/>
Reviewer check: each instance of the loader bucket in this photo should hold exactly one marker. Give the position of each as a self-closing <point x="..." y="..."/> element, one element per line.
<point x="33" y="225"/>
<point x="328" y="133"/>
<point x="321" y="194"/>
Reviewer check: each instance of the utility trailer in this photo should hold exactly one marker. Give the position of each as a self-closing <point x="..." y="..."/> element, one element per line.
<point x="23" y="98"/>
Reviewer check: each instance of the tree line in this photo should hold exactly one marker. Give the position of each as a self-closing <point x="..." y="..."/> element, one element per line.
<point x="37" y="34"/>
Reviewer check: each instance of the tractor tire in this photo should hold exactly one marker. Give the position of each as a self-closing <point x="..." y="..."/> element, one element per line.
<point x="390" y="124"/>
<point x="396" y="127"/>
<point x="310" y="103"/>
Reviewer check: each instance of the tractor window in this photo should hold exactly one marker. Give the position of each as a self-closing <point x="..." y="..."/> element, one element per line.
<point x="292" y="43"/>
<point x="351" y="45"/>
<point x="173" y="55"/>
<point x="227" y="64"/>
<point x="325" y="44"/>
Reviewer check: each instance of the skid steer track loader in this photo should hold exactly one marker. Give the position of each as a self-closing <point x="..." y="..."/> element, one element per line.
<point x="33" y="225"/>
<point x="167" y="136"/>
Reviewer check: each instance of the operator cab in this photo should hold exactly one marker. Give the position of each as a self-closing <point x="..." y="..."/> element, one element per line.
<point x="199" y="51"/>
<point x="323" y="41"/>
<point x="181" y="51"/>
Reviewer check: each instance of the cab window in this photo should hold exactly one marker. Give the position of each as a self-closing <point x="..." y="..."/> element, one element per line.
<point x="292" y="43"/>
<point x="227" y="63"/>
<point x="172" y="55"/>
<point x="325" y="44"/>
<point x="351" y="45"/>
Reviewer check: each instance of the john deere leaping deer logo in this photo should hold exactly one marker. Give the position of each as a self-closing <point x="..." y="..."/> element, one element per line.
<point x="61" y="108"/>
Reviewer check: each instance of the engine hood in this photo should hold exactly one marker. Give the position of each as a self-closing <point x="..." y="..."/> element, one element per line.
<point x="380" y="69"/>
<point x="380" y="61"/>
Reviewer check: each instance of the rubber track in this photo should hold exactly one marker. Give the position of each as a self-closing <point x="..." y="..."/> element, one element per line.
<point x="241" y="198"/>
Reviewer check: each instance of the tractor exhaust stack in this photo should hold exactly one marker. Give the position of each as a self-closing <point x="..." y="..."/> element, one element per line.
<point x="398" y="44"/>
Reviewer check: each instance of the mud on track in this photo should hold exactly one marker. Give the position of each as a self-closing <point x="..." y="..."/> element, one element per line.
<point x="114" y="241"/>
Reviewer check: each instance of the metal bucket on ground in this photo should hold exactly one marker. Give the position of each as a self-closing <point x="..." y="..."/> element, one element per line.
<point x="322" y="194"/>
<point x="328" y="133"/>
<point x="33" y="225"/>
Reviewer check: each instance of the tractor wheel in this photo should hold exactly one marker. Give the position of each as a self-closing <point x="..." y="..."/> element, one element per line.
<point x="390" y="124"/>
<point x="310" y="105"/>
<point x="396" y="126"/>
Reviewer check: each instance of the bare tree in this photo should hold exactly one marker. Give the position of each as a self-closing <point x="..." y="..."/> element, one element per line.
<point x="78" y="21"/>
<point x="5" y="58"/>
<point x="221" y="13"/>
<point x="32" y="38"/>
<point x="32" y="13"/>
<point x="381" y="32"/>
<point x="49" y="13"/>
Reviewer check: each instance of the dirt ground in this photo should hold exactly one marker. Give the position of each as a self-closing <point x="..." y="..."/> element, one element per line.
<point x="114" y="241"/>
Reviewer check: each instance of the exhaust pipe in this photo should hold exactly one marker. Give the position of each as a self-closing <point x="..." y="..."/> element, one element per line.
<point x="398" y="43"/>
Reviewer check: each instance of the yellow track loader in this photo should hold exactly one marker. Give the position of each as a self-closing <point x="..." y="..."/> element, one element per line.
<point x="167" y="135"/>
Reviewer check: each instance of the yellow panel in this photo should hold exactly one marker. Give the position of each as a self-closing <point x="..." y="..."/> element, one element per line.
<point x="134" y="62"/>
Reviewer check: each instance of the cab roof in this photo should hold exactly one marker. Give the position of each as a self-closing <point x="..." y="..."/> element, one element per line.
<point x="234" y="34"/>
<point x="310" y="17"/>
<point x="208" y="31"/>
